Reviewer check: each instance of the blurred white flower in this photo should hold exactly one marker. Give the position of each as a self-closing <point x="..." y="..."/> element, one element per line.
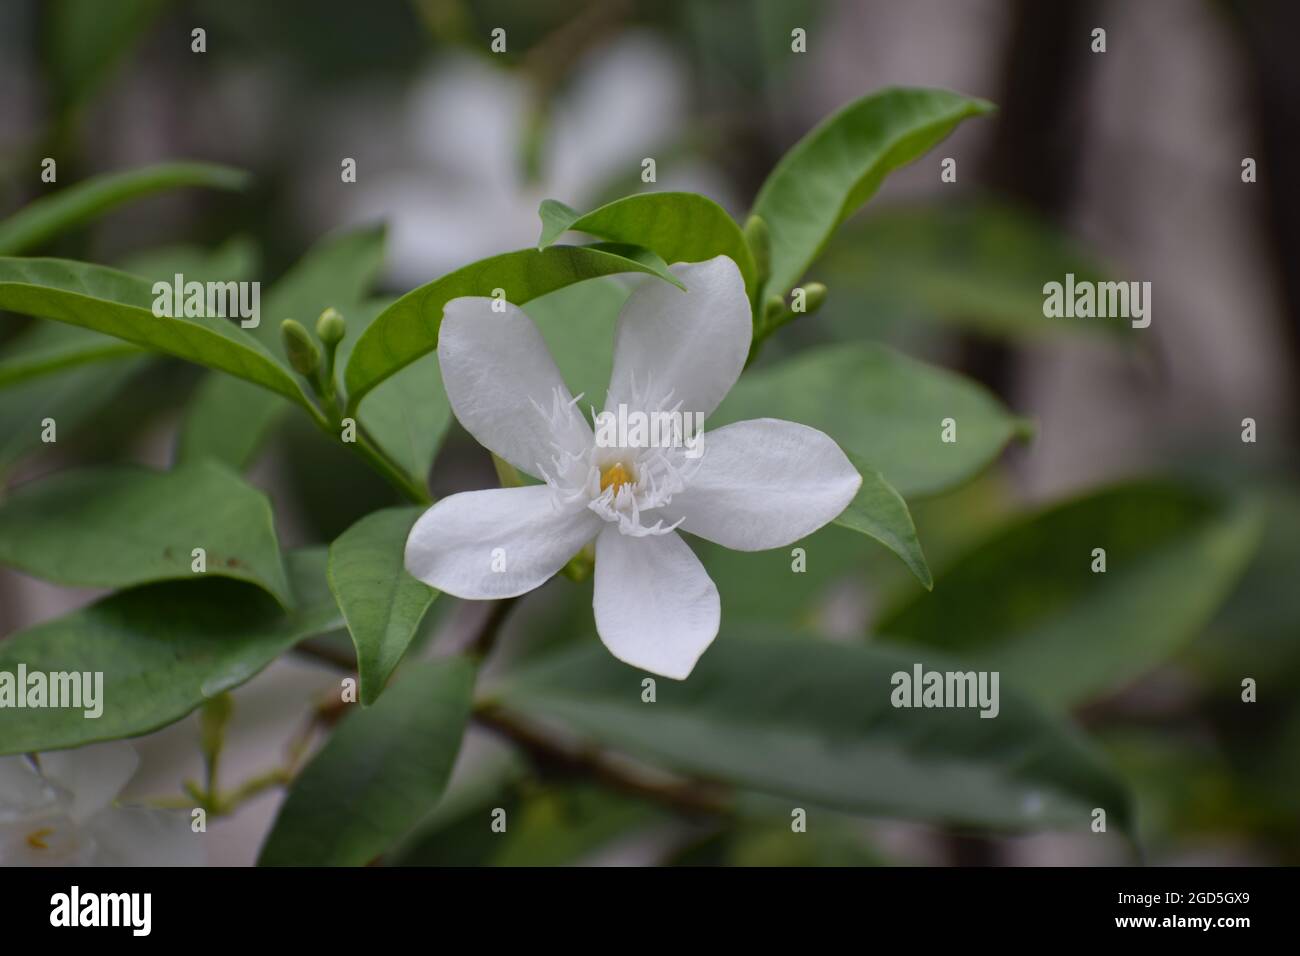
<point x="461" y="193"/>
<point x="58" y="810"/>
<point x="759" y="484"/>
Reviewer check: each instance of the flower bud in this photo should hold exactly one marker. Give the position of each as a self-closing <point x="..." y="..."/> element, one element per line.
<point x="330" y="327"/>
<point x="760" y="246"/>
<point x="814" y="296"/>
<point x="303" y="353"/>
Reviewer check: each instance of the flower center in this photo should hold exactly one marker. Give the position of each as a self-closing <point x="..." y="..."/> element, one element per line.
<point x="616" y="476"/>
<point x="36" y="839"/>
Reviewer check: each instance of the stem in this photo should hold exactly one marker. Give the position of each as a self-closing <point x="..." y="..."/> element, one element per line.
<point x="376" y="457"/>
<point x="482" y="645"/>
<point x="692" y="798"/>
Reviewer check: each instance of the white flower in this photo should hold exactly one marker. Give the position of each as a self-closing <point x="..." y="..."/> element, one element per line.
<point x="58" y="810"/>
<point x="453" y="190"/>
<point x="759" y="484"/>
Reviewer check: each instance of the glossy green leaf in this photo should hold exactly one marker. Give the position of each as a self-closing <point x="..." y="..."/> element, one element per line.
<point x="227" y="420"/>
<point x="233" y="260"/>
<point x="380" y="772"/>
<point x="121" y="305"/>
<point x="813" y="721"/>
<point x="981" y="265"/>
<point x="883" y="408"/>
<point x="163" y="650"/>
<point x="408" y="413"/>
<point x="577" y="324"/>
<point x="408" y="329"/>
<point x="47" y="349"/>
<point x="679" y="227"/>
<point x="382" y="604"/>
<point x="880" y="512"/>
<point x="70" y="398"/>
<point x="121" y="525"/>
<point x="42" y="220"/>
<point x="1028" y="603"/>
<point x="840" y="164"/>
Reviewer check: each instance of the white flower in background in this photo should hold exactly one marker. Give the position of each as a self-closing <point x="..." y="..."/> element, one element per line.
<point x="458" y="192"/>
<point x="759" y="484"/>
<point x="58" y="810"/>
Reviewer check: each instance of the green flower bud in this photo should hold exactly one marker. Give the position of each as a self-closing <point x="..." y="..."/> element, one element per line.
<point x="773" y="309"/>
<point x="760" y="245"/>
<point x="814" y="296"/>
<point x="330" y="327"/>
<point x="304" y="355"/>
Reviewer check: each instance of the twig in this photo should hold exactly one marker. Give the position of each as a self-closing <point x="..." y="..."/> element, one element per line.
<point x="692" y="798"/>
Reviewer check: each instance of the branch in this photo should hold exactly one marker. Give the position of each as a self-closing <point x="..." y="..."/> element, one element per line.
<point x="693" y="798"/>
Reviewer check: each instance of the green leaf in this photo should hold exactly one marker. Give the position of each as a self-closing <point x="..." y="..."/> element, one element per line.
<point x="382" y="604"/>
<point x="1028" y="603"/>
<point x="121" y="305"/>
<point x="883" y="408"/>
<point x="227" y="420"/>
<point x="338" y="272"/>
<point x="408" y="329"/>
<point x="233" y="260"/>
<point x="813" y="721"/>
<point x="48" y="349"/>
<point x="978" y="264"/>
<point x="163" y="649"/>
<point x="679" y="227"/>
<point x="880" y="512"/>
<point x="380" y="772"/>
<point x="577" y="323"/>
<point x="122" y="525"/>
<point x="408" y="413"/>
<point x="42" y="220"/>
<point x="838" y="166"/>
<point x="71" y="397"/>
<point x="51" y="348"/>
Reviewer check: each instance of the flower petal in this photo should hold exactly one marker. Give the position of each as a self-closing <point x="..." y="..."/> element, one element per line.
<point x="93" y="775"/>
<point x="142" y="836"/>
<point x="496" y="543"/>
<point x="497" y="370"/>
<point x="764" y="484"/>
<point x="656" y="607"/>
<point x="23" y="791"/>
<point x="693" y="342"/>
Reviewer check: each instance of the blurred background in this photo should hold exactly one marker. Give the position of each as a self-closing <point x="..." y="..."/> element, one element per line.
<point x="1126" y="163"/>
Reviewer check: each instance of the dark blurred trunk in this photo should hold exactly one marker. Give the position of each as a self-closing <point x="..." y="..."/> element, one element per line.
<point x="1034" y="157"/>
<point x="1034" y="162"/>
<point x="1269" y="30"/>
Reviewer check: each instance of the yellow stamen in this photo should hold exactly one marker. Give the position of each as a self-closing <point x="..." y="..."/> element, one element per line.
<point x="616" y="476"/>
<point x="36" y="839"/>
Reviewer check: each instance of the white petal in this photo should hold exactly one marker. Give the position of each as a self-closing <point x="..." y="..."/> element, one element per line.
<point x="656" y="607"/>
<point x="693" y="342"/>
<point x="141" y="836"/>
<point x="94" y="775"/>
<point x="461" y="544"/>
<point x="23" y="791"/>
<point x="495" y="366"/>
<point x="764" y="484"/>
